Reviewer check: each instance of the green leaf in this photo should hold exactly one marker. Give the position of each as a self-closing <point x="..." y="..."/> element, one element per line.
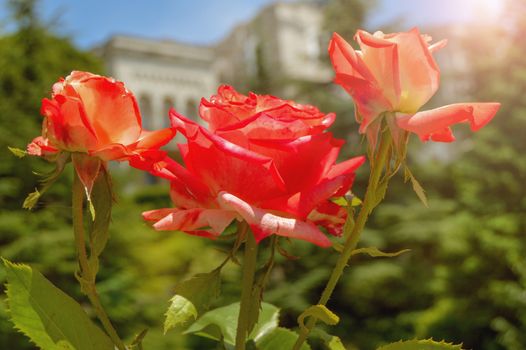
<point x="20" y="153"/>
<point x="341" y="201"/>
<point x="279" y="339"/>
<point x="180" y="311"/>
<point x="335" y="343"/>
<point x="192" y="297"/>
<point x="49" y="317"/>
<point x="375" y="252"/>
<point x="31" y="199"/>
<point x="221" y="323"/>
<point x="332" y="342"/>
<point x="355" y="201"/>
<point x="100" y="202"/>
<point x="419" y="190"/>
<point x="428" y="344"/>
<point x="47" y="180"/>
<point x="321" y="313"/>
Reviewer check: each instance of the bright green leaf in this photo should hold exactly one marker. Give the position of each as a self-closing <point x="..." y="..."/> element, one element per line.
<point x="279" y="339"/>
<point x="180" y="311"/>
<point x="428" y="344"/>
<point x="20" y="153"/>
<point x="321" y="313"/>
<point x="341" y="201"/>
<point x="31" y="199"/>
<point x="355" y="201"/>
<point x="221" y="323"/>
<point x="332" y="342"/>
<point x="49" y="317"/>
<point x="335" y="343"/>
<point x="375" y="252"/>
<point x="192" y="297"/>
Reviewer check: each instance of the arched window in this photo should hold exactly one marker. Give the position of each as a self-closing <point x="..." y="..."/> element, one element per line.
<point x="191" y="109"/>
<point x="145" y="105"/>
<point x="168" y="103"/>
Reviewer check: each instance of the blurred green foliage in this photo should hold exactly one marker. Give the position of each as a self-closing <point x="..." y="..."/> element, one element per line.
<point x="464" y="279"/>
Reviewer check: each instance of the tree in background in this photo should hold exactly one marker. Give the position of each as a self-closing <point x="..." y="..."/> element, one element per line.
<point x="32" y="57"/>
<point x="487" y="280"/>
<point x="465" y="278"/>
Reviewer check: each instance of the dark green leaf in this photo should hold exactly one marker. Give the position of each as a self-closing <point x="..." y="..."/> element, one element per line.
<point x="279" y="339"/>
<point x="50" y="318"/>
<point x="221" y="323"/>
<point x="101" y="201"/>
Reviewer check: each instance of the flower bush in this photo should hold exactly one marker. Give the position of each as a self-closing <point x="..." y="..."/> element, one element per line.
<point x="263" y="163"/>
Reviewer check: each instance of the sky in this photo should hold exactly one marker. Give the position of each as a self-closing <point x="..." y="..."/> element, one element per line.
<point x="91" y="22"/>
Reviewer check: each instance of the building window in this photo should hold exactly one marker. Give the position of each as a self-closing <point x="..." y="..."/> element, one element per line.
<point x="168" y="103"/>
<point x="145" y="105"/>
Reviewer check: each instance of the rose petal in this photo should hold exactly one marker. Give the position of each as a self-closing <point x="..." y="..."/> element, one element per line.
<point x="192" y="221"/>
<point x="40" y="147"/>
<point x="381" y="57"/>
<point x="434" y="124"/>
<point x="303" y="161"/>
<point x="111" y="109"/>
<point x="264" y="223"/>
<point x="437" y="46"/>
<point x="331" y="216"/>
<point x="154" y="139"/>
<point x="222" y="165"/>
<point x="66" y="125"/>
<point x="302" y="203"/>
<point x="419" y="73"/>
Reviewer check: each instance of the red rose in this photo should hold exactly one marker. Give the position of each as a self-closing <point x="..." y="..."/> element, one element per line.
<point x="96" y="119"/>
<point x="397" y="73"/>
<point x="265" y="160"/>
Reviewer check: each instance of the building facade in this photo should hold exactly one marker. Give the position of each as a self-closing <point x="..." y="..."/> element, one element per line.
<point x="284" y="39"/>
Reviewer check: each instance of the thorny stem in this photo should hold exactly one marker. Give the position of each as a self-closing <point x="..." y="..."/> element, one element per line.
<point x="380" y="162"/>
<point x="249" y="270"/>
<point x="86" y="275"/>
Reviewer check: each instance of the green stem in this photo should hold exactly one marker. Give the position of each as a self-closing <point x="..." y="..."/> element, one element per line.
<point x="86" y="275"/>
<point x="249" y="270"/>
<point x="369" y="202"/>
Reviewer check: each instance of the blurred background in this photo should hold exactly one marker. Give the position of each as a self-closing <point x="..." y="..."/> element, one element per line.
<point x="465" y="277"/>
